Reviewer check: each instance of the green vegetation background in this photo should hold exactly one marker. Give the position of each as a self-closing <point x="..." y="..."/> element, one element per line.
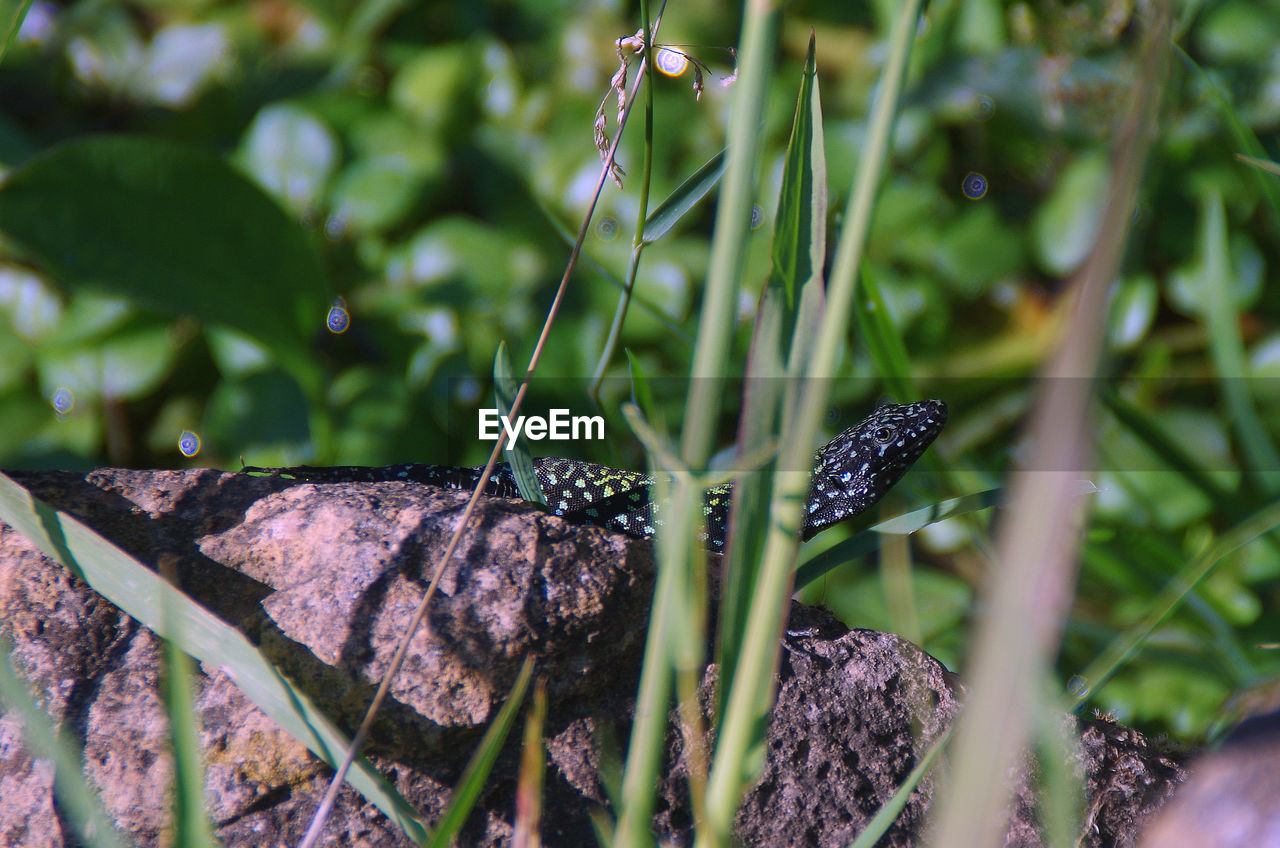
<point x="428" y="159"/>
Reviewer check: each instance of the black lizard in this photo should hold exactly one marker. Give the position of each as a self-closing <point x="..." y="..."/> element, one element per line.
<point x="851" y="472"/>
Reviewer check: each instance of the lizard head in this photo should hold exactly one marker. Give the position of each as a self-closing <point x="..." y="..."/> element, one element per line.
<point x="856" y="468"/>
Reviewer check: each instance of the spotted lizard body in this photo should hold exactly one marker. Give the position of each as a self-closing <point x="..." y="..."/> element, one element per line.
<point x="851" y="472"/>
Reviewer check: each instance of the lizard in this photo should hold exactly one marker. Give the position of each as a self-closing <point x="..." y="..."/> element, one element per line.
<point x="851" y="473"/>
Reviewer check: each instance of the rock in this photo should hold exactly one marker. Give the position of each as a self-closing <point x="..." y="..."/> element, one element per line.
<point x="324" y="578"/>
<point x="1231" y="798"/>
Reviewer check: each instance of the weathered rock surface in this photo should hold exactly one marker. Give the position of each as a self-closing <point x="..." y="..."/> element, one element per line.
<point x="323" y="578"/>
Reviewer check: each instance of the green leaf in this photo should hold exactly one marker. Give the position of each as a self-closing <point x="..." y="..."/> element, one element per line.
<point x="684" y="198"/>
<point x="143" y="594"/>
<point x="1132" y="310"/>
<point x="1066" y="226"/>
<point x="504" y="391"/>
<point x="173" y="228"/>
<point x="291" y="153"/>
<point x="373" y="194"/>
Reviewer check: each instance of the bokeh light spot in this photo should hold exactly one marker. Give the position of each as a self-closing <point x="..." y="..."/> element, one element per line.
<point x="189" y="443"/>
<point x="63" y="401"/>
<point x="974" y="186"/>
<point x="673" y="63"/>
<point x="983" y="108"/>
<point x="606" y="228"/>
<point x="339" y="319"/>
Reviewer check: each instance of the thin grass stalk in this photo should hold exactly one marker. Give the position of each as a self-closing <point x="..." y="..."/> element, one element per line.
<point x="325" y="808"/>
<point x="1030" y="591"/>
<point x="533" y="767"/>
<point x="752" y="691"/>
<point x="637" y="241"/>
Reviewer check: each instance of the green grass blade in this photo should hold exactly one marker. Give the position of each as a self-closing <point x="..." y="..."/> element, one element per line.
<point x="799" y="248"/>
<point x="1098" y="672"/>
<point x="641" y="394"/>
<point x="1227" y="348"/>
<point x="717" y="321"/>
<point x="1265" y="164"/>
<point x="1172" y="454"/>
<point x="517" y="449"/>
<point x="192" y="827"/>
<point x="686" y="196"/>
<point x="800" y="231"/>
<point x="1244" y="137"/>
<point x="15" y="24"/>
<point x="884" y="342"/>
<point x="739" y="749"/>
<point x="533" y="770"/>
<point x="649" y="306"/>
<point x="140" y="592"/>
<point x="869" y="540"/>
<point x="478" y="768"/>
<point x="83" y="810"/>
<point x="888" y="814"/>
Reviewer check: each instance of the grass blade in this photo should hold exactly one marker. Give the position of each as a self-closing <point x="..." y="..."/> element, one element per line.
<point x="533" y="767"/>
<point x="684" y="198"/>
<point x="192" y="826"/>
<point x="884" y="342"/>
<point x="800" y="232"/>
<point x="15" y="24"/>
<point x="1102" y="669"/>
<point x="1227" y="347"/>
<point x="869" y="540"/>
<point x="75" y="797"/>
<point x="888" y="814"/>
<point x="504" y="392"/>
<point x="799" y="248"/>
<point x="739" y="743"/>
<point x="1241" y="134"/>
<point x="481" y="763"/>
<point x="1265" y="164"/>
<point x="1173" y="455"/>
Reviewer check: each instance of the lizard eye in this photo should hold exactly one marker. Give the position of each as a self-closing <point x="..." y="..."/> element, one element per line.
<point x="883" y="435"/>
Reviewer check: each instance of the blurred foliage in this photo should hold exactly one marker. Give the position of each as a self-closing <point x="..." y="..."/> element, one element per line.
<point x="425" y="159"/>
